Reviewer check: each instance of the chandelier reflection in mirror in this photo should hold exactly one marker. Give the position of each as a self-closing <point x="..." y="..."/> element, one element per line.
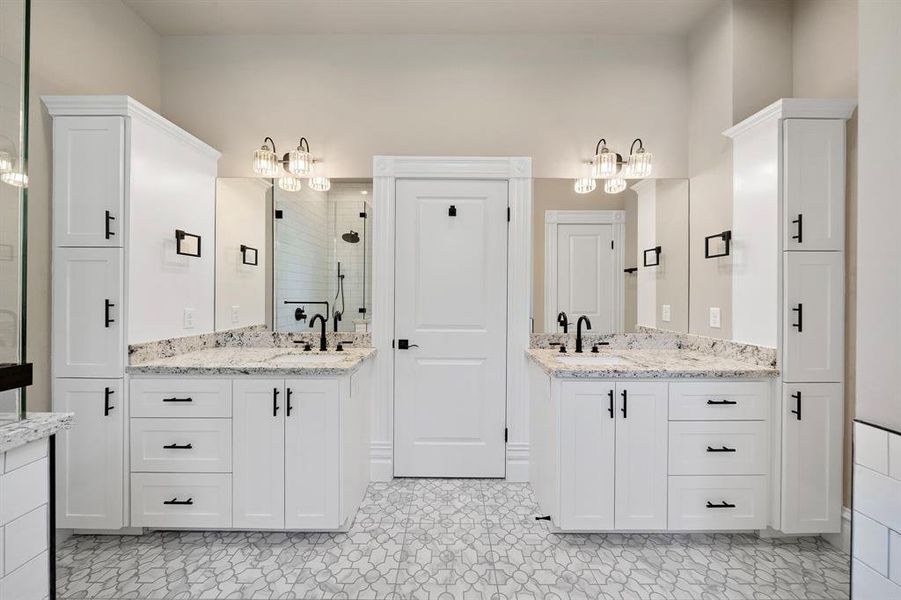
<point x="291" y="169"/>
<point x="614" y="169"/>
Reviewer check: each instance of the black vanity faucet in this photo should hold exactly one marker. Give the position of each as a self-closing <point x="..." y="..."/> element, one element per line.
<point x="563" y="322"/>
<point x="579" y="331"/>
<point x="322" y="344"/>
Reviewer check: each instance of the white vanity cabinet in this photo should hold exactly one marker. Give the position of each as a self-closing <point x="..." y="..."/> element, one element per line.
<point x="621" y="455"/>
<point x="121" y="177"/>
<point x="257" y="453"/>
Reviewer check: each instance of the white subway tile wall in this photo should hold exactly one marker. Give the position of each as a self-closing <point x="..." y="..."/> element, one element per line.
<point x="876" y="568"/>
<point x="309" y="246"/>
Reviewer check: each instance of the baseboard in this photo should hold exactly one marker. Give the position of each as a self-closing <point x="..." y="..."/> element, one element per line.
<point x="841" y="540"/>
<point x="518" y="462"/>
<point x="381" y="465"/>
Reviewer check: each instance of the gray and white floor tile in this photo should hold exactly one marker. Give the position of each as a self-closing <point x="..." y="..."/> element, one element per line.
<point x="440" y="539"/>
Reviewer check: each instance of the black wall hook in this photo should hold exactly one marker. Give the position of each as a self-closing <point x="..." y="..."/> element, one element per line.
<point x="452" y="211"/>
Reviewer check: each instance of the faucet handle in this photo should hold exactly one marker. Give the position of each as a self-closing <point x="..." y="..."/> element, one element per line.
<point x="562" y="349"/>
<point x="594" y="349"/>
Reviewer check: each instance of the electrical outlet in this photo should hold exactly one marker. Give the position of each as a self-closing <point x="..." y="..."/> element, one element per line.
<point x="189" y="318"/>
<point x="235" y="310"/>
<point x="715" y="317"/>
<point x="666" y="313"/>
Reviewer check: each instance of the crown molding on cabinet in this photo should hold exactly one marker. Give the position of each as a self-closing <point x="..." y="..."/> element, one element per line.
<point x="122" y="106"/>
<point x="796" y="108"/>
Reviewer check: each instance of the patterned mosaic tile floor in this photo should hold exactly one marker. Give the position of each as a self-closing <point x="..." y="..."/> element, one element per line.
<point x="433" y="539"/>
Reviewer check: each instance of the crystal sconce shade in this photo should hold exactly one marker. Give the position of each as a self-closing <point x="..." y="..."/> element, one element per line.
<point x="605" y="163"/>
<point x="265" y="160"/>
<point x="639" y="165"/>
<point x="289" y="183"/>
<point x="610" y="166"/>
<point x="584" y="185"/>
<point x="614" y="185"/>
<point x="300" y="161"/>
<point x="319" y="183"/>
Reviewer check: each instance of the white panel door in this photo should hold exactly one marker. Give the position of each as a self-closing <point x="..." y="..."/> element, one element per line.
<point x="258" y="454"/>
<point x="87" y="312"/>
<point x="450" y="304"/>
<point x="585" y="271"/>
<point x="89" y="467"/>
<point x="814" y="317"/>
<point x="312" y="454"/>
<point x="88" y="180"/>
<point x="641" y="453"/>
<point x="812" y="457"/>
<point x="587" y="431"/>
<point x="814" y="180"/>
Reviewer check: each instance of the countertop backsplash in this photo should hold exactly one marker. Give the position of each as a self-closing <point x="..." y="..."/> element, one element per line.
<point x="652" y="339"/>
<point x="254" y="336"/>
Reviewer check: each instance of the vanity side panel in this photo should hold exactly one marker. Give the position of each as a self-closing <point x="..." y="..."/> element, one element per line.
<point x="543" y="460"/>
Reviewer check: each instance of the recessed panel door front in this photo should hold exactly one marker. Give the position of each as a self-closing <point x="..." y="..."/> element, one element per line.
<point x="585" y="273"/>
<point x="450" y="328"/>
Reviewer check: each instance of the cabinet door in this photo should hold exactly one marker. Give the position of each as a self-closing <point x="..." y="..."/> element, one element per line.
<point x="89" y="463"/>
<point x="812" y="458"/>
<point x="641" y="451"/>
<point x="312" y="454"/>
<point x="814" y="176"/>
<point x="88" y="180"/>
<point x="87" y="312"/>
<point x="587" y="431"/>
<point x="258" y="454"/>
<point x="814" y="317"/>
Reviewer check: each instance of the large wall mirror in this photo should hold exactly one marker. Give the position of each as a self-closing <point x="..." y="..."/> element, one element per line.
<point x="284" y="256"/>
<point x="619" y="259"/>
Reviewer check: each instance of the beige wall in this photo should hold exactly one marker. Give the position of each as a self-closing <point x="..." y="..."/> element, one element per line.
<point x="710" y="167"/>
<point x="558" y="194"/>
<point x="672" y="234"/>
<point x="77" y="47"/>
<point x="354" y="96"/>
<point x="825" y="66"/>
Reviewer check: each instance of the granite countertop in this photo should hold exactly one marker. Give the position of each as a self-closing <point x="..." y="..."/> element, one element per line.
<point x="36" y="426"/>
<point x="648" y="364"/>
<point x="280" y="362"/>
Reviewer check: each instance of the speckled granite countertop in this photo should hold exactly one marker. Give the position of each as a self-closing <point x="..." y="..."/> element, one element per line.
<point x="36" y="426"/>
<point x="646" y="364"/>
<point x="278" y="362"/>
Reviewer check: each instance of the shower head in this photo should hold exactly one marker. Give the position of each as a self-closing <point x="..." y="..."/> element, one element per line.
<point x="351" y="237"/>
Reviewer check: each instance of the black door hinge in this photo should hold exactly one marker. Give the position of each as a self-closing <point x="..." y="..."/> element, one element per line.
<point x="508" y="214"/>
<point x="506" y="432"/>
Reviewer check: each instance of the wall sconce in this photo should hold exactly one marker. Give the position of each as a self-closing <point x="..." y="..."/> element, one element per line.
<point x="290" y="168"/>
<point x="611" y="167"/>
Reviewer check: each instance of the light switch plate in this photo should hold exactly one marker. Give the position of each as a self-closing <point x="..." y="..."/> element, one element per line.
<point x="715" y="317"/>
<point x="189" y="318"/>
<point x="666" y="313"/>
<point x="235" y="311"/>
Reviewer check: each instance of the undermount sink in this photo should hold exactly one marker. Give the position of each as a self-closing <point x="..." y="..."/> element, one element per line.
<point x="307" y="359"/>
<point x="593" y="360"/>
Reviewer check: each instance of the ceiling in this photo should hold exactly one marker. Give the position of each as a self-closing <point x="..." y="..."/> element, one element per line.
<point x="234" y="17"/>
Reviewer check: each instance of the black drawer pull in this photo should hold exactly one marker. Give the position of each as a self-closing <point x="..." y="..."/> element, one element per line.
<point x="275" y="405"/>
<point x="187" y="502"/>
<point x="188" y="399"/>
<point x="797" y="397"/>
<point x="107" y="231"/>
<point x="625" y="404"/>
<point x="107" y="305"/>
<point x="107" y="392"/>
<point x="288" y="398"/>
<point x="800" y="324"/>
<point x="722" y="402"/>
<point x="723" y="449"/>
<point x="800" y="223"/>
<point x="178" y="447"/>
<point x="723" y="504"/>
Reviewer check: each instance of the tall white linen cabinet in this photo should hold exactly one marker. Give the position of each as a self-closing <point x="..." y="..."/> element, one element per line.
<point x="788" y="292"/>
<point x="127" y="184"/>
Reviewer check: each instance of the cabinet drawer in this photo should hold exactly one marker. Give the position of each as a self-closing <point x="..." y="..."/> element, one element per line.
<point x="718" y="448"/>
<point x="181" y="500"/>
<point x="718" y="401"/>
<point x="178" y="397"/>
<point x="181" y="445"/>
<point x="717" y="502"/>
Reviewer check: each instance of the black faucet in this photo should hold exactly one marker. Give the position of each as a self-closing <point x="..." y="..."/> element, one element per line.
<point x="563" y="322"/>
<point x="322" y="344"/>
<point x="579" y="331"/>
<point x="335" y="318"/>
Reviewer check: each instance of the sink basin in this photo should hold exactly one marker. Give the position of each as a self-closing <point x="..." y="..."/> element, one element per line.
<point x="307" y="359"/>
<point x="593" y="360"/>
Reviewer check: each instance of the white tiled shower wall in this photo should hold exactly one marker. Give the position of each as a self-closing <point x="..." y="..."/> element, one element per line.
<point x="308" y="246"/>
<point x="876" y="545"/>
